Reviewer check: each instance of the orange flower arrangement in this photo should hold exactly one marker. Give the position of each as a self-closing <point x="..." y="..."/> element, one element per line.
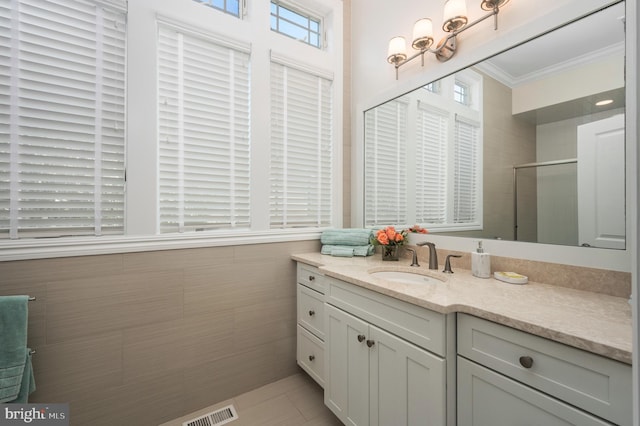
<point x="417" y="229"/>
<point x="390" y="237"/>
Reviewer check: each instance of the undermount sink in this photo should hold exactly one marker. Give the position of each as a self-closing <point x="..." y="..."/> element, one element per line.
<point x="404" y="277"/>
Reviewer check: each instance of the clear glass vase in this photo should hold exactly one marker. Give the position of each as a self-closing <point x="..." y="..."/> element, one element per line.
<point x="390" y="252"/>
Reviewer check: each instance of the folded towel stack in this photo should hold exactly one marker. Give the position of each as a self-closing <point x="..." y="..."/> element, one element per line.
<point x="347" y="242"/>
<point x="16" y="371"/>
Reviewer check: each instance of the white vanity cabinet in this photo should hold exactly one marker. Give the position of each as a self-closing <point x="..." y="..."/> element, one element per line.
<point x="378" y="368"/>
<point x="507" y="377"/>
<point x="310" y="322"/>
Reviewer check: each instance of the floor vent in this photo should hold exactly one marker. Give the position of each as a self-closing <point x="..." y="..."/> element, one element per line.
<point x="216" y="418"/>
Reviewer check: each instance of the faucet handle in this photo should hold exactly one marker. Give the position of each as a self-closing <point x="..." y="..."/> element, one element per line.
<point x="447" y="263"/>
<point x="414" y="256"/>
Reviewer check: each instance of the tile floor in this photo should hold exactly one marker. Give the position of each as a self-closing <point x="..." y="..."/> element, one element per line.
<point x="293" y="401"/>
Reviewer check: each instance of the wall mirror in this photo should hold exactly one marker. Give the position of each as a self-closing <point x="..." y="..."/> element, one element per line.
<point x="527" y="145"/>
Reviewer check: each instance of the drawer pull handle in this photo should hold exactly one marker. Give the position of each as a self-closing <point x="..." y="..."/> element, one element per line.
<point x="312" y="357"/>
<point x="312" y="313"/>
<point x="312" y="278"/>
<point x="370" y="343"/>
<point x="526" y="361"/>
<point x="361" y="338"/>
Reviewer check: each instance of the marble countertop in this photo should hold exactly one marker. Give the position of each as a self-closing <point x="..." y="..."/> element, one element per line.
<point x="594" y="322"/>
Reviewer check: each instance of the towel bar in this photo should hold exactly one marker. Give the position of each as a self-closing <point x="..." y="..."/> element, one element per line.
<point x="32" y="298"/>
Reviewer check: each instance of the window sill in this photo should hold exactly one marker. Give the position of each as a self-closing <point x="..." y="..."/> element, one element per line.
<point x="87" y="246"/>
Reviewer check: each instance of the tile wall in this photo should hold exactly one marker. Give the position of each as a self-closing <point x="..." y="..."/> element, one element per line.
<point x="142" y="338"/>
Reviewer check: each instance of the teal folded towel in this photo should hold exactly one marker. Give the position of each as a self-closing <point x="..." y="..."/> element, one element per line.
<point x="347" y="251"/>
<point x="342" y="251"/>
<point x="346" y="237"/>
<point x="367" y="250"/>
<point x="16" y="373"/>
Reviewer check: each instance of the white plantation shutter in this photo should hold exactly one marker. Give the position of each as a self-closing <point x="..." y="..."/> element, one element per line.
<point x="466" y="185"/>
<point x="62" y="95"/>
<point x="385" y="162"/>
<point x="431" y="165"/>
<point x="204" y="149"/>
<point x="301" y="147"/>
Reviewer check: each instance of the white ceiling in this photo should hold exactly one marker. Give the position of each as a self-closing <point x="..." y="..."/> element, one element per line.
<point x="594" y="36"/>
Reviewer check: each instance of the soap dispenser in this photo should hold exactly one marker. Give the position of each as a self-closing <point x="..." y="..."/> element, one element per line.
<point x="480" y="263"/>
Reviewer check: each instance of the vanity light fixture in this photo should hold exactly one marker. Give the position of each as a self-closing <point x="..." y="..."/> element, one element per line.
<point x="604" y="102"/>
<point x="455" y="22"/>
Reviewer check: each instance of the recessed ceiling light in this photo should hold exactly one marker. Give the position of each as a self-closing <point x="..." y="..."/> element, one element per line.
<point x="605" y="102"/>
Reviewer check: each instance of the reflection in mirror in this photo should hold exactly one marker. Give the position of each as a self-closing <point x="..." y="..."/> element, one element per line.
<point x="517" y="147"/>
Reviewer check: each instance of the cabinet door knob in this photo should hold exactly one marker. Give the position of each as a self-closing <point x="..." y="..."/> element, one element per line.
<point x="361" y="338"/>
<point x="526" y="361"/>
<point x="312" y="313"/>
<point x="370" y="343"/>
<point x="312" y="278"/>
<point x="312" y="357"/>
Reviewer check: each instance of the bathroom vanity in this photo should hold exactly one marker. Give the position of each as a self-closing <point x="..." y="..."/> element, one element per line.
<point x="457" y="348"/>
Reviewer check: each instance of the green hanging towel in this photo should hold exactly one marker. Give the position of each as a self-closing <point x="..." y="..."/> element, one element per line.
<point x="16" y="372"/>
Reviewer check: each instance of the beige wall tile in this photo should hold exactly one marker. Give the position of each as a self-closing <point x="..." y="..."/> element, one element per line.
<point x="36" y="271"/>
<point x="65" y="370"/>
<point x="170" y="259"/>
<point x="83" y="307"/>
<point x="263" y="323"/>
<point x="127" y="329"/>
<point x="143" y="403"/>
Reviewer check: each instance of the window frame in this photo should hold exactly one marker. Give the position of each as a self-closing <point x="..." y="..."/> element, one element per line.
<point x="141" y="220"/>
<point x="87" y="199"/>
<point x="302" y="13"/>
<point x="210" y="3"/>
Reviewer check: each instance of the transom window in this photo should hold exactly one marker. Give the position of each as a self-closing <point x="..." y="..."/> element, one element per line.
<point x="295" y="24"/>
<point x="433" y="87"/>
<point x="461" y="93"/>
<point x="232" y="7"/>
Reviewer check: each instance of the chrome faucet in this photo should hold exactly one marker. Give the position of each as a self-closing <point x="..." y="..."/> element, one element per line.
<point x="433" y="254"/>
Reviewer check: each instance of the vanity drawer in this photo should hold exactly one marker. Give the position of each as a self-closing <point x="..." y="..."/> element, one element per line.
<point x="310" y="355"/>
<point x="596" y="384"/>
<point x="418" y="325"/>
<point x="311" y="277"/>
<point x="311" y="310"/>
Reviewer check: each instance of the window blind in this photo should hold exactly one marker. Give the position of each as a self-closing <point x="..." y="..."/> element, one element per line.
<point x="62" y="96"/>
<point x="385" y="159"/>
<point x="204" y="128"/>
<point x="301" y="148"/>
<point x="431" y="165"/>
<point x="465" y="208"/>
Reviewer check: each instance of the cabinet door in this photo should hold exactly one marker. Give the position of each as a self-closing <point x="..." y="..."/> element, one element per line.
<point x="408" y="384"/>
<point x="346" y="367"/>
<point x="486" y="398"/>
